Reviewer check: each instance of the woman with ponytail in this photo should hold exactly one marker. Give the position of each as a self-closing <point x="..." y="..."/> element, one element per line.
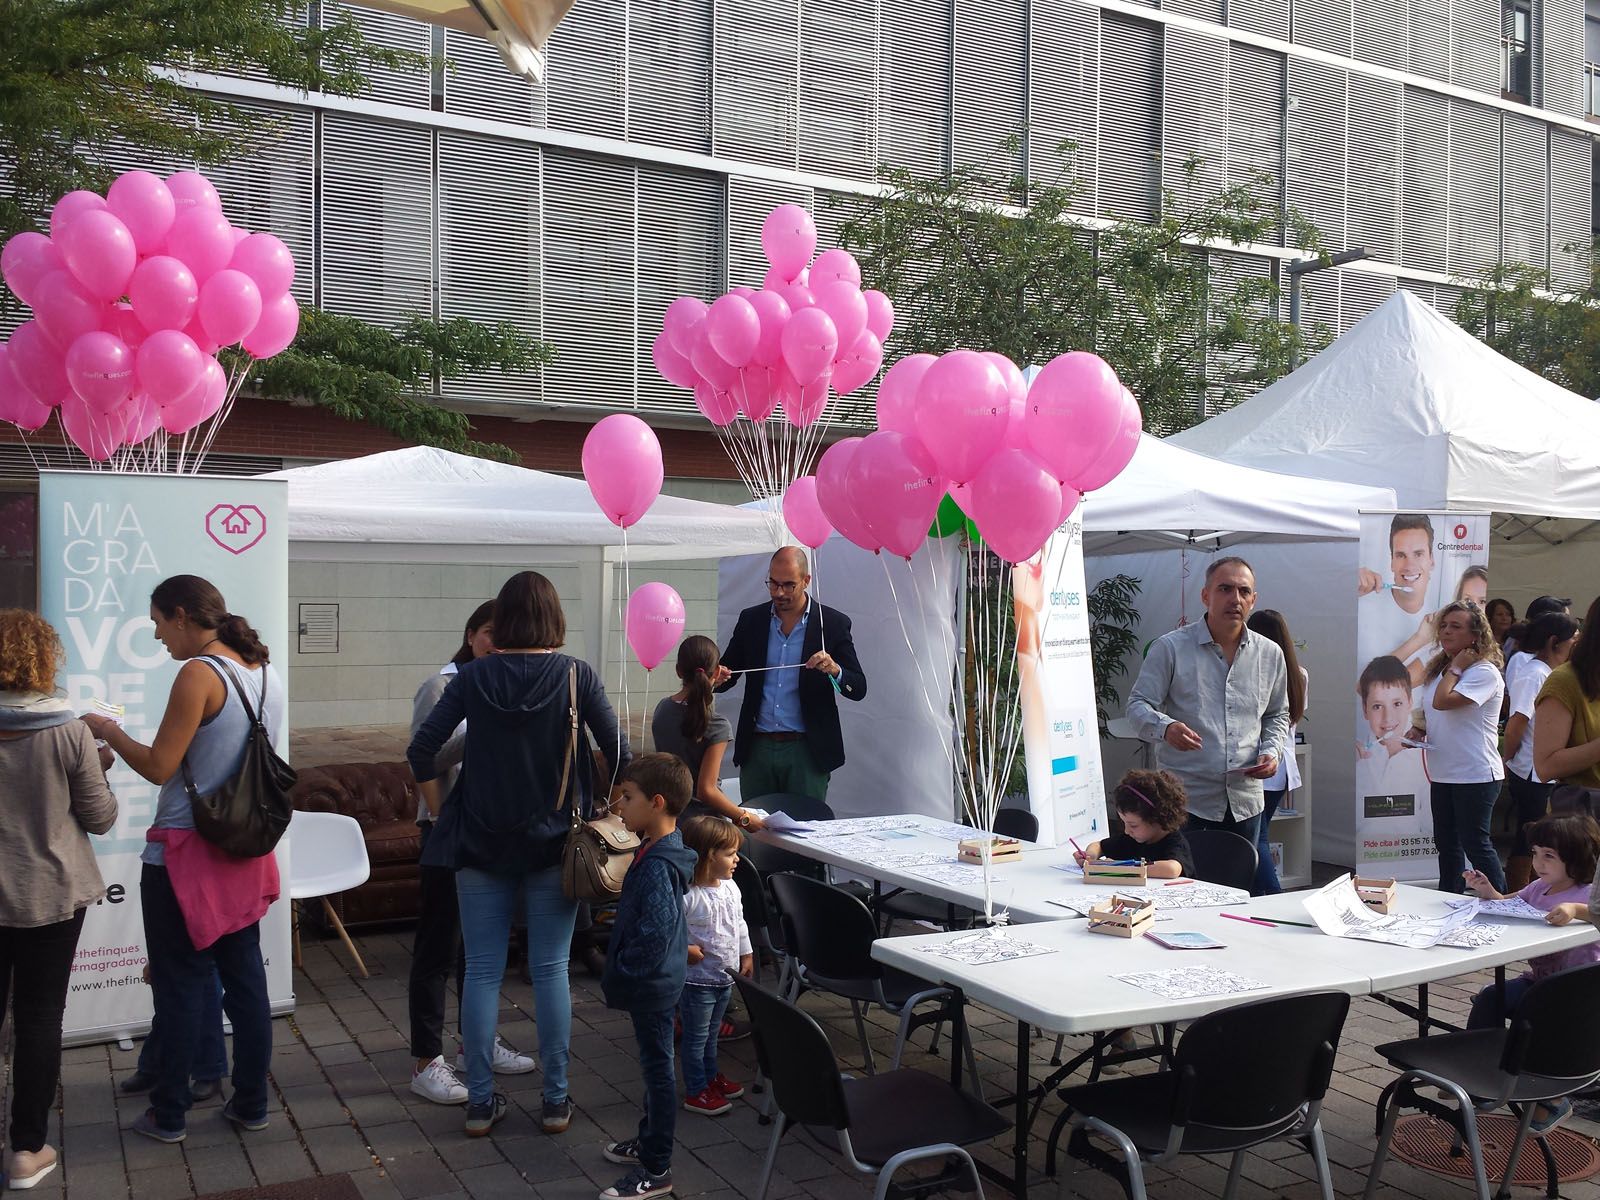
<point x="205" y="725"/>
<point x="688" y="725"/>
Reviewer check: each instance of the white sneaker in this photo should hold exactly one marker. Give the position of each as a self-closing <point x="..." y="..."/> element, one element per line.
<point x="437" y="1082"/>
<point x="506" y="1061"/>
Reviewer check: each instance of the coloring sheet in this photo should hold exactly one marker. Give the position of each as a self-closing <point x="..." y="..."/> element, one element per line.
<point x="1474" y="936"/>
<point x="988" y="946"/>
<point x="952" y="873"/>
<point x="1339" y="912"/>
<point x="1512" y="907"/>
<point x="1193" y="895"/>
<point x="1188" y="983"/>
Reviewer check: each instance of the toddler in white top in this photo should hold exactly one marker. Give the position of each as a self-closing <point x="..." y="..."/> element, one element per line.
<point x="719" y="942"/>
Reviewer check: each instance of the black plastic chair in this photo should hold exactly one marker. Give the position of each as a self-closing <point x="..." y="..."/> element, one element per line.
<point x="1223" y="858"/>
<point x="766" y="931"/>
<point x="1215" y="1100"/>
<point x="1551" y="1049"/>
<point x="830" y="934"/>
<point x="880" y="1123"/>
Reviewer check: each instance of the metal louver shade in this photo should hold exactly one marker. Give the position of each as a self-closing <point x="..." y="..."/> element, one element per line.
<point x="518" y="28"/>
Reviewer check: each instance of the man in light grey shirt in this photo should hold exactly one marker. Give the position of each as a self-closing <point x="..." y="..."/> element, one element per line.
<point x="1215" y="696"/>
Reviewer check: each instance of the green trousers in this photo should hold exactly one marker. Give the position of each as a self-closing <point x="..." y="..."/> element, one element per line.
<point x="772" y="767"/>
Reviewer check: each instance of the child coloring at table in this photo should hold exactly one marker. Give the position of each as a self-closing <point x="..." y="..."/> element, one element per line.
<point x="1565" y="851"/>
<point x="1153" y="807"/>
<point x="719" y="942"/>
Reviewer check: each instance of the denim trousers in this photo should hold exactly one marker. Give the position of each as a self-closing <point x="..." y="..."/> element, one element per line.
<point x="211" y="1052"/>
<point x="1531" y="801"/>
<point x="1486" y="1006"/>
<point x="486" y="902"/>
<point x="1461" y="814"/>
<point x="181" y="978"/>
<point x="702" y="1009"/>
<point x="435" y="955"/>
<point x="1267" y="883"/>
<point x="35" y="966"/>
<point x="653" y="1032"/>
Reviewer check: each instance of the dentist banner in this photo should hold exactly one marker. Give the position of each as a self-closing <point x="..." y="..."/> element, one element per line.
<point x="1412" y="565"/>
<point x="1061" y="737"/>
<point x="106" y="540"/>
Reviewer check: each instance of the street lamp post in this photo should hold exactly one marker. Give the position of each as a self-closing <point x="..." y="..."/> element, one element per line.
<point x="1305" y="266"/>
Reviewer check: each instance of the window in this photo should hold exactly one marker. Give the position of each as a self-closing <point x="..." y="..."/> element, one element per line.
<point x="1591" y="65"/>
<point x="1516" y="55"/>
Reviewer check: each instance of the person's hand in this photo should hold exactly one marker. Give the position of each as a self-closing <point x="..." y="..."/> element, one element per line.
<point x="747" y="965"/>
<point x="1565" y="914"/>
<point x="1464" y="660"/>
<point x="1429" y="627"/>
<point x="98" y="724"/>
<point x="1362" y="751"/>
<point x="107" y="759"/>
<point x="1264" y="767"/>
<point x="696" y="954"/>
<point x="823" y="661"/>
<point x="1180" y="737"/>
<point x="1367" y="581"/>
<point x="1479" y="883"/>
<point x="720" y="676"/>
<point x="1079" y="857"/>
<point x="750" y="822"/>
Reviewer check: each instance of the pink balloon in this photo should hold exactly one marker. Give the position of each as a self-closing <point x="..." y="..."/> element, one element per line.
<point x="239" y="235"/>
<point x="897" y="393"/>
<point x="895" y="486"/>
<point x="654" y="623"/>
<point x="880" y="313"/>
<point x="145" y="205"/>
<point x="961" y="493"/>
<point x="144" y="418"/>
<point x="100" y="253"/>
<point x="1119" y="453"/>
<point x="38" y="364"/>
<point x="773" y="312"/>
<point x="274" y="332"/>
<point x="733" y="328"/>
<point x="169" y="364"/>
<point x="803" y="405"/>
<point x="773" y="280"/>
<point x="789" y="238"/>
<point x="98" y="435"/>
<point x="1070" y="497"/>
<point x="266" y="260"/>
<point x="797" y="296"/>
<point x="674" y="367"/>
<point x="1016" y="384"/>
<point x="1074" y="413"/>
<point x="809" y="343"/>
<point x="202" y="240"/>
<point x="803" y="515"/>
<point x="678" y="323"/>
<point x="27" y="258"/>
<point x="836" y="265"/>
<point x="163" y="293"/>
<point x="190" y="189"/>
<point x="198" y="335"/>
<point x="962" y="410"/>
<point x="710" y="365"/>
<point x="17" y="404"/>
<point x="72" y="206"/>
<point x="845" y="307"/>
<point x="756" y="392"/>
<point x="122" y="321"/>
<point x="64" y="310"/>
<point x="1016" y="504"/>
<point x="622" y="464"/>
<point x="720" y="408"/>
<point x="197" y="404"/>
<point x="855" y="367"/>
<point x="1016" y="436"/>
<point x="100" y="371"/>
<point x="834" y="497"/>
<point x="230" y="306"/>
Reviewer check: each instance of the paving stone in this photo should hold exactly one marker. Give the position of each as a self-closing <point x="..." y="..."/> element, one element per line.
<point x="497" y="1181"/>
<point x="220" y="1169"/>
<point x="280" y="1162"/>
<point x="158" y="1183"/>
<point x="338" y="1149"/>
<point x="420" y="1175"/>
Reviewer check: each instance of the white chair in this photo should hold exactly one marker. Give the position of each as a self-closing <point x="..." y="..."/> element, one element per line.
<point x="327" y="855"/>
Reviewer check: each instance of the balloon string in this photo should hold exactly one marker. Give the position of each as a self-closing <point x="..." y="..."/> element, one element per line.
<point x="916" y="660"/>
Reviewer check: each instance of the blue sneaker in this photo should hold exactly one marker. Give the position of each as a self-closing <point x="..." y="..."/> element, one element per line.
<point x="145" y="1126"/>
<point x="1554" y="1114"/>
<point x="639" y="1183"/>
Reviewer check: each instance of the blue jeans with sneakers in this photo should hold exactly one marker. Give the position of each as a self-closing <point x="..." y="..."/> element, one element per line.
<point x="702" y="1009"/>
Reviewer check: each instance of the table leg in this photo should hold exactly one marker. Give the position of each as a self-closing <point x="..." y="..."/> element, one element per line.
<point x="1019" y="1148"/>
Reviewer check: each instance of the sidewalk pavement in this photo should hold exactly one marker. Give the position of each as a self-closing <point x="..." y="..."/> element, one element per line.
<point x="341" y="1072"/>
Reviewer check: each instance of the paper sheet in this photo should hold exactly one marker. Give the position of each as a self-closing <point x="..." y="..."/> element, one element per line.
<point x="782" y="822"/>
<point x="1473" y="937"/>
<point x="1187" y="983"/>
<point x="854" y="825"/>
<point x="988" y="946"/>
<point x="1511" y="907"/>
<point x="953" y="873"/>
<point x="1339" y="912"/>
<point x="1193" y="895"/>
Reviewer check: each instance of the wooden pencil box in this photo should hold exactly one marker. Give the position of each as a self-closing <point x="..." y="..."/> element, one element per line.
<point x="1376" y="894"/>
<point x="1121" y="916"/>
<point x="1116" y="874"/>
<point x="1001" y="849"/>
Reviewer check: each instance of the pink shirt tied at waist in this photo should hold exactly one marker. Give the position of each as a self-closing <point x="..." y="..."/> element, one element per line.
<point x="1539" y="895"/>
<point x="218" y="893"/>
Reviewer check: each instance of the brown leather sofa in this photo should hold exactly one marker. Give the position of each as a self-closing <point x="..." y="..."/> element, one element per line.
<point x="383" y="798"/>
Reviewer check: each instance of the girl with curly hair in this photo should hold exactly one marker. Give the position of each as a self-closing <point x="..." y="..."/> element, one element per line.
<point x="1153" y="807"/>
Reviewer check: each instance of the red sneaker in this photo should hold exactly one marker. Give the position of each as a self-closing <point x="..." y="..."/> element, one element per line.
<point x="709" y="1103"/>
<point x="727" y="1087"/>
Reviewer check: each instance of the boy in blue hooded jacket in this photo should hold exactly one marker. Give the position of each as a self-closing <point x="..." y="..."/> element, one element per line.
<point x="647" y="960"/>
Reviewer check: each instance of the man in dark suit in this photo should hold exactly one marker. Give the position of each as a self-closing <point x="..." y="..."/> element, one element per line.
<point x="800" y="659"/>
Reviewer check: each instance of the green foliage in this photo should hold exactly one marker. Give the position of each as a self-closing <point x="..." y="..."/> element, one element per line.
<point x="1026" y="278"/>
<point x="1557" y="336"/>
<point x="78" y="78"/>
<point x="366" y="373"/>
<point x="1113" y="621"/>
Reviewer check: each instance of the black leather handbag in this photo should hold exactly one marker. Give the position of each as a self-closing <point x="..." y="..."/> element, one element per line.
<point x="248" y="814"/>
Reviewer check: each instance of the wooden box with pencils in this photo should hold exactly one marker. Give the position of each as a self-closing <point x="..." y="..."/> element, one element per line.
<point x="1376" y="894"/>
<point x="1001" y="849"/>
<point x="1117" y="873"/>
<point x="1123" y="916"/>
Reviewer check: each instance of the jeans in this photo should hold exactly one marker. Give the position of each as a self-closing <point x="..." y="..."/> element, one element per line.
<point x="702" y="1009"/>
<point x="435" y="949"/>
<point x="1486" y="1009"/>
<point x="1249" y="828"/>
<point x="1530" y="801"/>
<point x="181" y="977"/>
<point x="35" y="965"/>
<point x="211" y="1052"/>
<point x="653" y="1032"/>
<point x="1267" y="883"/>
<point x="486" y="901"/>
<point x="1461" y="813"/>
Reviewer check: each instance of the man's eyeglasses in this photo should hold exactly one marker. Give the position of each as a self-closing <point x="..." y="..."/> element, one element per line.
<point x="786" y="587"/>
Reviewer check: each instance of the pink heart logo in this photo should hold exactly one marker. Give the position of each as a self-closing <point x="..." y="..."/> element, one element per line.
<point x="236" y="527"/>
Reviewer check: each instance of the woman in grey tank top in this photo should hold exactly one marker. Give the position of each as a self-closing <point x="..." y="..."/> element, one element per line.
<point x="205" y="722"/>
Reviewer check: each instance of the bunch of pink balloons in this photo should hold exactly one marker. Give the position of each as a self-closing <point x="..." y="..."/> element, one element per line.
<point x="133" y="293"/>
<point x="808" y="329"/>
<point x="1016" y="458"/>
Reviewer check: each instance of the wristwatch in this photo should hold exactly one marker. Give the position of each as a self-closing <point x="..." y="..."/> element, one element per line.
<point x="744" y="819"/>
